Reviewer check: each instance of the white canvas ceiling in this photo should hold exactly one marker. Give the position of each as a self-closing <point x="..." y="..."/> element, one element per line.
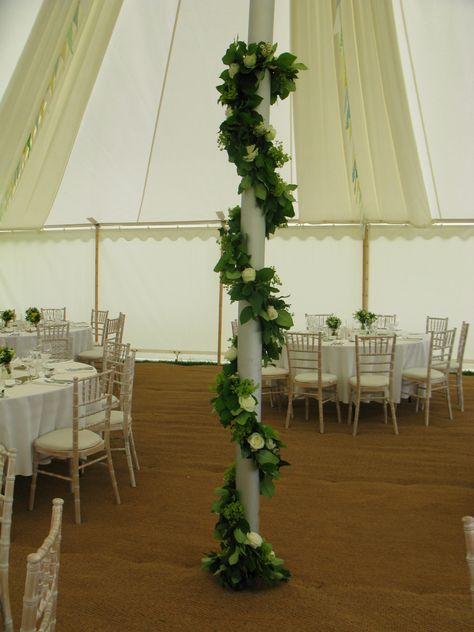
<point x="146" y="150"/>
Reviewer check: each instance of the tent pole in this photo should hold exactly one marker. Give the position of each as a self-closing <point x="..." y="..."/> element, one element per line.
<point x="219" y="326"/>
<point x="253" y="226"/>
<point x="365" y="268"/>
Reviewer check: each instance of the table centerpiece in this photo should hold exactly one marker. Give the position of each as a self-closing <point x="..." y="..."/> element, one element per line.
<point x="333" y="322"/>
<point x="7" y="316"/>
<point x="33" y="315"/>
<point x="366" y="319"/>
<point x="6" y="356"/>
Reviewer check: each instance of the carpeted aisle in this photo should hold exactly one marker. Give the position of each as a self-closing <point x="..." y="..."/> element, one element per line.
<point x="369" y="527"/>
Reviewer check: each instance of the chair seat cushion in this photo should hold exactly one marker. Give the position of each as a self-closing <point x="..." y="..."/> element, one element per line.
<point x="311" y="378"/>
<point x="421" y="372"/>
<point x="274" y="372"/>
<point x="62" y="440"/>
<point x="91" y="354"/>
<point x="116" y="419"/>
<point x="374" y="381"/>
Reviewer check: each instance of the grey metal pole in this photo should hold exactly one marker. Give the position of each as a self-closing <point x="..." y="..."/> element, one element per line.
<point x="253" y="225"/>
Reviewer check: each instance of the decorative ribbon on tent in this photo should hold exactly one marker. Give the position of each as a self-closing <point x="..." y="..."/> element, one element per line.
<point x="61" y="61"/>
<point x="346" y="109"/>
<point x="44" y="104"/>
<point x="365" y="142"/>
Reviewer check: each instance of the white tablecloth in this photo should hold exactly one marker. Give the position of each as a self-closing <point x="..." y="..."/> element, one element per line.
<point x="339" y="358"/>
<point x="34" y="408"/>
<point x="24" y="341"/>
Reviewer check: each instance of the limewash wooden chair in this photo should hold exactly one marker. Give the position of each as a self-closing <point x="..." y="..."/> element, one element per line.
<point x="315" y="322"/>
<point x="55" y="339"/>
<point x="457" y="362"/>
<point x="434" y="323"/>
<point x="113" y="332"/>
<point x="42" y="575"/>
<point x="307" y="379"/>
<point x="434" y="376"/>
<point x="468" y="524"/>
<point x="80" y="446"/>
<point x="7" y="472"/>
<point x="375" y="356"/>
<point x="386" y="321"/>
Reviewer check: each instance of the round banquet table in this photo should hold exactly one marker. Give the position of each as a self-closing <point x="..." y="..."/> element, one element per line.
<point x="24" y="341"/>
<point x="32" y="408"/>
<point x="339" y="358"/>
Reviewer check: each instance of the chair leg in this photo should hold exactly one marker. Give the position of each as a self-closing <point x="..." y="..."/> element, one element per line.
<point x="112" y="474"/>
<point x="448" y="397"/>
<point x="289" y="410"/>
<point x="76" y="491"/>
<point x="394" y="417"/>
<point x="34" y="480"/>
<point x="356" y="415"/>
<point x="385" y="420"/>
<point x="306" y="408"/>
<point x="128" y="454"/>
<point x="460" y="390"/>
<point x="134" y="452"/>
<point x="338" y="407"/>
<point x="349" y="409"/>
<point x="321" y="419"/>
<point x="427" y="405"/>
<point x="5" y="602"/>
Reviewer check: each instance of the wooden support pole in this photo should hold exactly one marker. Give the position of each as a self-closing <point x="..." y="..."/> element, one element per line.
<point x="219" y="326"/>
<point x="365" y="269"/>
<point x="96" y="270"/>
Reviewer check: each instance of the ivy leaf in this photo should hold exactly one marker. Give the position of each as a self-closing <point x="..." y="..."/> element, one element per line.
<point x="260" y="191"/>
<point x="265" y="274"/>
<point x="246" y="314"/>
<point x="256" y="303"/>
<point x="267" y="488"/>
<point x="234" y="558"/>
<point x="245" y="183"/>
<point x="265" y="456"/>
<point x="284" y="319"/>
<point x="240" y="536"/>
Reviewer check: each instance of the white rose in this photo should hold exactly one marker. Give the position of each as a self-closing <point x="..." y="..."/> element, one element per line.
<point x="229" y="112"/>
<point x="260" y="129"/>
<point x="231" y="353"/>
<point x="252" y="153"/>
<point x="247" y="403"/>
<point x="248" y="275"/>
<point x="270" y="132"/>
<point x="254" y="539"/>
<point x="233" y="70"/>
<point x="250" y="60"/>
<point x="272" y="313"/>
<point x="270" y="444"/>
<point x="256" y="441"/>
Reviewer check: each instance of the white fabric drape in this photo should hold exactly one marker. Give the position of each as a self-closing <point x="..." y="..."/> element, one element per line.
<point x="357" y="157"/>
<point x="45" y="101"/>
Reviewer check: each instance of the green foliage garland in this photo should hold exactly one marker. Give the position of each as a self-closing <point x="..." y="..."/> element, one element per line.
<point x="244" y="557"/>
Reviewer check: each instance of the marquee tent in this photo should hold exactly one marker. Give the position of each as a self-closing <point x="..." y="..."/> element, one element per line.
<point x="109" y="117"/>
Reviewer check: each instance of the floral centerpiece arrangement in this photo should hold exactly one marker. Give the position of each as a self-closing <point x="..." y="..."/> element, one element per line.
<point x="8" y="315"/>
<point x="33" y="315"/>
<point x="6" y="356"/>
<point x="365" y="318"/>
<point x="333" y="322"/>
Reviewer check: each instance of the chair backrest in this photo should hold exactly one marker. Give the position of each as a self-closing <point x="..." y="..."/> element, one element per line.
<point x="441" y="349"/>
<point x="56" y="339"/>
<point x="375" y="355"/>
<point x="386" y="321"/>
<point x="114" y="353"/>
<point x="42" y="574"/>
<point x="315" y="322"/>
<point x="235" y="327"/>
<point x="304" y="353"/>
<point x="114" y="329"/>
<point x="91" y="395"/>
<point x="124" y="375"/>
<point x="53" y="313"/>
<point x="436" y="324"/>
<point x="98" y="320"/>
<point x="462" y="343"/>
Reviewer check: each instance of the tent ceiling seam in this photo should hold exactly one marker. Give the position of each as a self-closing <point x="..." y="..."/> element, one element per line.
<point x="158" y="113"/>
<point x="418" y="100"/>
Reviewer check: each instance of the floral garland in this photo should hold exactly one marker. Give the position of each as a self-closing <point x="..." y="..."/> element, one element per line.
<point x="245" y="557"/>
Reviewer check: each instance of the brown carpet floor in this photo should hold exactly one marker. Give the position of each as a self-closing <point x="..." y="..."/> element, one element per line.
<point x="370" y="527"/>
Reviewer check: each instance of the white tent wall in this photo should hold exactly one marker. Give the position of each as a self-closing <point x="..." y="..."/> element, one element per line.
<point x="48" y="269"/>
<point x="415" y="273"/>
